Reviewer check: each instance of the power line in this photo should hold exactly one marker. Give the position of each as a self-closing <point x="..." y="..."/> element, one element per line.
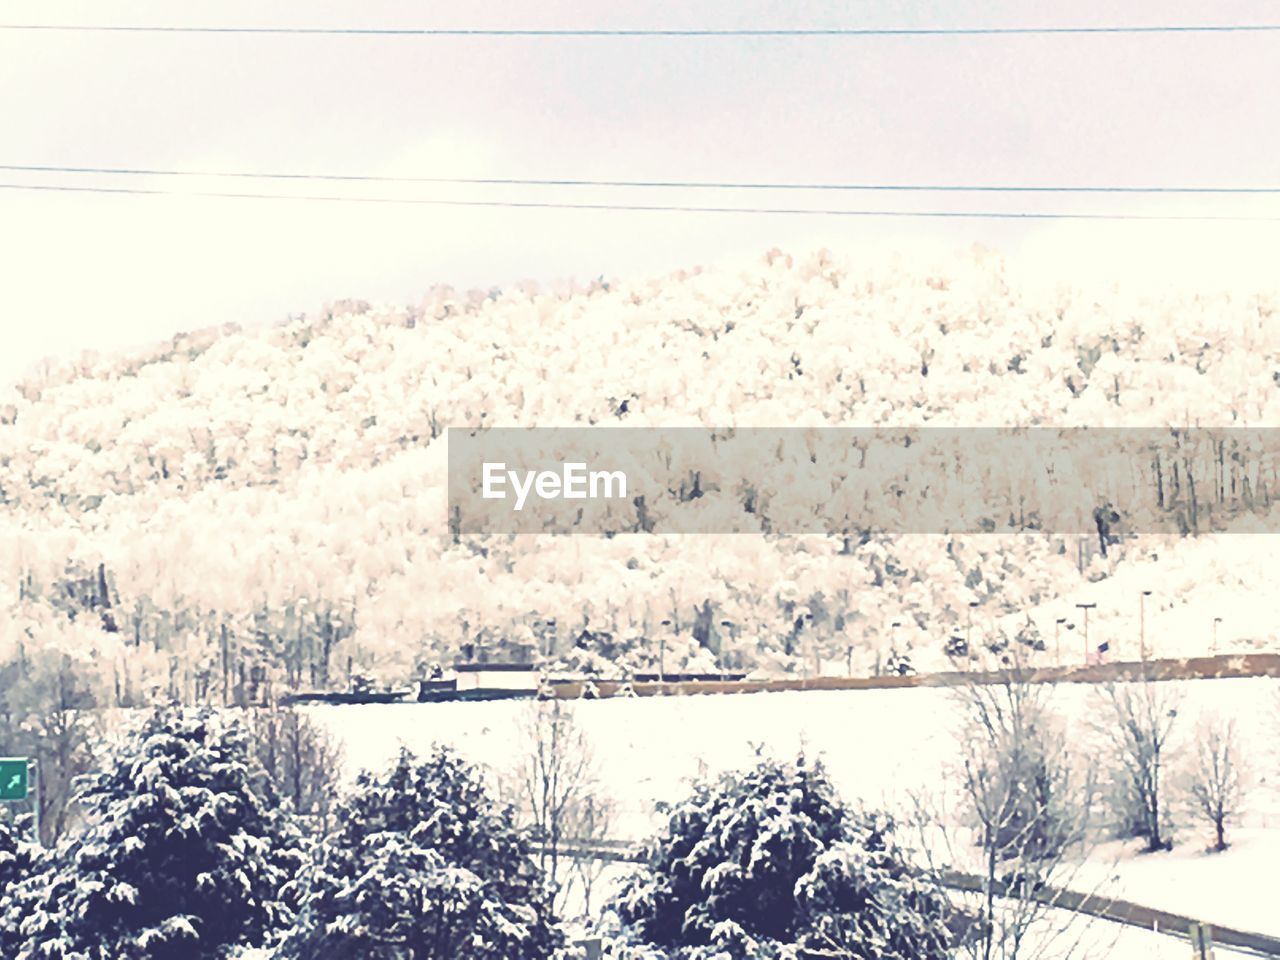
<point x="650" y="184"/>
<point x="692" y="33"/>
<point x="648" y="208"/>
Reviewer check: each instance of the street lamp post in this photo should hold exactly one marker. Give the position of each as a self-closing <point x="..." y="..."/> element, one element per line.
<point x="1142" y="625"/>
<point x="1086" y="607"/>
<point x="662" y="649"/>
<point x="968" y="631"/>
<point x="721" y="655"/>
<point x="35" y="802"/>
<point x="1214" y="649"/>
<point x="1057" y="639"/>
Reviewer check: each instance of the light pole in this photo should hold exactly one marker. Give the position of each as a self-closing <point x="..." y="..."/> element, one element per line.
<point x="1086" y="607"/>
<point x="968" y="630"/>
<point x="35" y="802"/>
<point x="720" y="654"/>
<point x="1057" y="639"/>
<point x="1214" y="649"/>
<point x="1142" y="625"/>
<point x="662" y="649"/>
<point x="817" y="649"/>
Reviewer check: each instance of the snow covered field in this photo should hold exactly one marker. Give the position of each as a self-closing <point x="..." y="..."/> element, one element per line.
<point x="881" y="747"/>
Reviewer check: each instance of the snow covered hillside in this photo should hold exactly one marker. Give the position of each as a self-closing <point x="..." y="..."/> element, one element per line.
<point x="239" y="508"/>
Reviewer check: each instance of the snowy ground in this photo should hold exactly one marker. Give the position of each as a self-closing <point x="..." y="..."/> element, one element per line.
<point x="881" y="747"/>
<point x="1234" y="888"/>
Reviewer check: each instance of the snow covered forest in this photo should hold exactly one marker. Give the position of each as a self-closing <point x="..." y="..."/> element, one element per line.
<point x="242" y="514"/>
<point x="243" y="510"/>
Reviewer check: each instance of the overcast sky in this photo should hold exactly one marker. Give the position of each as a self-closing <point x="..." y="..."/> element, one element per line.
<point x="87" y="271"/>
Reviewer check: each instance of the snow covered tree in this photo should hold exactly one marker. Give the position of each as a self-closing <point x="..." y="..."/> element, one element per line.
<point x="554" y="788"/>
<point x="17" y="853"/>
<point x="21" y="863"/>
<point x="1139" y="726"/>
<point x="181" y="858"/>
<point x="299" y="757"/>
<point x="46" y="702"/>
<point x="1216" y="780"/>
<point x="1025" y="800"/>
<point x="863" y="901"/>
<point x="767" y="862"/>
<point x="423" y="865"/>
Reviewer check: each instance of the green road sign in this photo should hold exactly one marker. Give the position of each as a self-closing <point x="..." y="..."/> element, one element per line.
<point x="13" y="778"/>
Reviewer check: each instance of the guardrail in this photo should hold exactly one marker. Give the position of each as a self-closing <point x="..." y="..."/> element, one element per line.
<point x="1129" y="914"/>
<point x="1191" y="668"/>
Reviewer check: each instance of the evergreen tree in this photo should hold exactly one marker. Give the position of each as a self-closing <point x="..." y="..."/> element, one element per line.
<point x="424" y="865"/>
<point x="21" y="863"/>
<point x="17" y="853"/>
<point x="768" y="862"/>
<point x="180" y="860"/>
<point x="863" y="901"/>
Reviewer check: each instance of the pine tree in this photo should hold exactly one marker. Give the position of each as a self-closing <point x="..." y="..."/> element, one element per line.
<point x="181" y="858"/>
<point x="17" y="853"/>
<point x="424" y="865"/>
<point x="863" y="901"/>
<point x="768" y="862"/>
<point x="21" y="864"/>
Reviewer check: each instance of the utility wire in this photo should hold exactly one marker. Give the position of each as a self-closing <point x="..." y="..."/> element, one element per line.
<point x="589" y="33"/>
<point x="649" y="208"/>
<point x="648" y="184"/>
